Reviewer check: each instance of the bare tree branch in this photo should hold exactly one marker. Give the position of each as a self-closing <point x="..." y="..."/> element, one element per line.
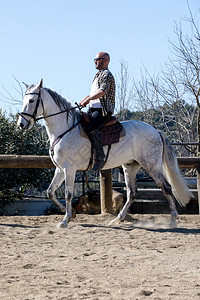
<point x="177" y="85"/>
<point x="7" y="96"/>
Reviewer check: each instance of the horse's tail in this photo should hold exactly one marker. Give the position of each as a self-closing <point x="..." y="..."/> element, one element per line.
<point x="173" y="176"/>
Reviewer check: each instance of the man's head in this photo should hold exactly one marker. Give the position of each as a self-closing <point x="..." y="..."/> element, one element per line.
<point x="101" y="60"/>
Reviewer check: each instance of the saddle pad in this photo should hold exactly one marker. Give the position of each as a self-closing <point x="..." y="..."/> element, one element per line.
<point x="110" y="134"/>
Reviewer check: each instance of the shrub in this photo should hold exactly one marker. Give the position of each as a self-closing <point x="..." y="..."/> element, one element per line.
<point x="14" y="182"/>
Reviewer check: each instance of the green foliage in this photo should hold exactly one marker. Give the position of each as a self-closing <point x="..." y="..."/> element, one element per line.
<point x="14" y="182"/>
<point x="125" y="114"/>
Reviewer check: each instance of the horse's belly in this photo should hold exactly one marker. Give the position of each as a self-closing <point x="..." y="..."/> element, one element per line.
<point x="120" y="153"/>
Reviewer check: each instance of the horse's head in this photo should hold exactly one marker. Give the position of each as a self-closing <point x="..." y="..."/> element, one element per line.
<point x="32" y="106"/>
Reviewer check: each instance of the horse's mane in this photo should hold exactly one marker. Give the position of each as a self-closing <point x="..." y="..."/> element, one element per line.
<point x="62" y="103"/>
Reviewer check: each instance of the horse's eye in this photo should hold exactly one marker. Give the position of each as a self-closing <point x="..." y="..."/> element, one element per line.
<point x="31" y="100"/>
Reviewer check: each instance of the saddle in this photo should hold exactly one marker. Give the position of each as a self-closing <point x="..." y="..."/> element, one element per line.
<point x="111" y="131"/>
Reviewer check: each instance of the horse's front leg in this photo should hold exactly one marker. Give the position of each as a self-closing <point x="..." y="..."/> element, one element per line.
<point x="69" y="188"/>
<point x="55" y="183"/>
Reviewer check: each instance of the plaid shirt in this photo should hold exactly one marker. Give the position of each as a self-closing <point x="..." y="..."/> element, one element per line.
<point x="106" y="82"/>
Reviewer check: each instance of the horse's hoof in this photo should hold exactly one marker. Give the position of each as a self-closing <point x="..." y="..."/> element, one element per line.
<point x="173" y="223"/>
<point x="62" y="224"/>
<point x="73" y="213"/>
<point x="69" y="219"/>
<point x="114" y="222"/>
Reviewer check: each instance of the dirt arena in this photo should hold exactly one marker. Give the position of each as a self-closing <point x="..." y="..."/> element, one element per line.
<point x="140" y="259"/>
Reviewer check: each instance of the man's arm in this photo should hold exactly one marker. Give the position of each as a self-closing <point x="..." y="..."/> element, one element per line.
<point x="98" y="94"/>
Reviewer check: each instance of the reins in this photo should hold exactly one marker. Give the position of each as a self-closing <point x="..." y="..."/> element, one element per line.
<point x="68" y="130"/>
<point x="33" y="116"/>
<point x="58" y="113"/>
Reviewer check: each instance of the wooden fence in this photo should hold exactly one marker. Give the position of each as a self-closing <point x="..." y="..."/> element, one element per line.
<point x="33" y="161"/>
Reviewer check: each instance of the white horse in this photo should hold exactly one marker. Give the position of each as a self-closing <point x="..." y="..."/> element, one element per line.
<point x="142" y="147"/>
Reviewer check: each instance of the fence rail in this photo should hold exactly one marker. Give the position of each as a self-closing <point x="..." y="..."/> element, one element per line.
<point x="25" y="161"/>
<point x="34" y="161"/>
<point x="41" y="162"/>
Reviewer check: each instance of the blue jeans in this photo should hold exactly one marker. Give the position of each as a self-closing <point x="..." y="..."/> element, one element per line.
<point x="96" y="118"/>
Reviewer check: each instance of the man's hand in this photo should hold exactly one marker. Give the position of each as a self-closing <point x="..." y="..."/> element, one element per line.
<point x="85" y="101"/>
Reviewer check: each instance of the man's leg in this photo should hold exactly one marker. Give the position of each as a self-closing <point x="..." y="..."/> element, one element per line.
<point x="99" y="156"/>
<point x="96" y="121"/>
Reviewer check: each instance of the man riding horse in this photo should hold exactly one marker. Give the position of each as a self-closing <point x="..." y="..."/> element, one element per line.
<point x="102" y="104"/>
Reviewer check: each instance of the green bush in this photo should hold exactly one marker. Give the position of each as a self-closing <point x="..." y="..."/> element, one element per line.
<point x="14" y="182"/>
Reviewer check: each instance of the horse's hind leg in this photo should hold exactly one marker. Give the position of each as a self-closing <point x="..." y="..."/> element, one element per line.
<point x="130" y="171"/>
<point x="55" y="183"/>
<point x="163" y="184"/>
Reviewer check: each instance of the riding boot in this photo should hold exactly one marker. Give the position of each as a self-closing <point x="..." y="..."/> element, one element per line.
<point x="99" y="156"/>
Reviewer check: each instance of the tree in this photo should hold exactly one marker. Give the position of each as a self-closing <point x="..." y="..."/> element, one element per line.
<point x="177" y="86"/>
<point x="123" y="92"/>
<point x="186" y="67"/>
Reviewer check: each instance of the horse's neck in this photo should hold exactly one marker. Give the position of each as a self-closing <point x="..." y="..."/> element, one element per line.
<point x="57" y="124"/>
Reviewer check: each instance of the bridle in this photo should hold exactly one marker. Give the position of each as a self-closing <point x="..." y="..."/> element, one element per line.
<point x="33" y="116"/>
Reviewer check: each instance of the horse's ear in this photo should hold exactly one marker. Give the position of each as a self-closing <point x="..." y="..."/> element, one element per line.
<point x="39" y="85"/>
<point x="26" y="85"/>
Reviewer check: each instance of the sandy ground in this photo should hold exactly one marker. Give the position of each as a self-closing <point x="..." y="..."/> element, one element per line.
<point x="141" y="258"/>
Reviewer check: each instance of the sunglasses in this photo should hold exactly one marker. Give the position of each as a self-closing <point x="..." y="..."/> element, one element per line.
<point x="96" y="59"/>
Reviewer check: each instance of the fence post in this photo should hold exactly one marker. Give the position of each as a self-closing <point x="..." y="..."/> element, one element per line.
<point x="106" y="191"/>
<point x="198" y="186"/>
